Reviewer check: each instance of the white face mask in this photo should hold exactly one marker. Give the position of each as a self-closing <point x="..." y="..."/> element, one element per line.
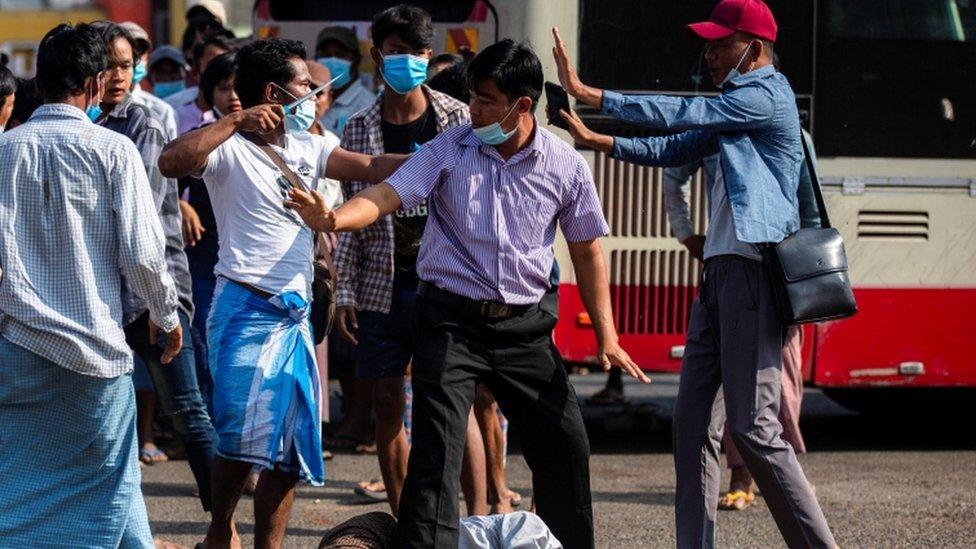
<point x="735" y="70"/>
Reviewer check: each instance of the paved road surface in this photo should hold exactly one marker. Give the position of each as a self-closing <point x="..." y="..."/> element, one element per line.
<point x="882" y="482"/>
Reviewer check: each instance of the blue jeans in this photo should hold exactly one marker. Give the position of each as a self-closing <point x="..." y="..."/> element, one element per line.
<point x="179" y="397"/>
<point x="203" y="291"/>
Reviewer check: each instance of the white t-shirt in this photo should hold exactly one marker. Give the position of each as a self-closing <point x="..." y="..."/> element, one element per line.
<point x="262" y="243"/>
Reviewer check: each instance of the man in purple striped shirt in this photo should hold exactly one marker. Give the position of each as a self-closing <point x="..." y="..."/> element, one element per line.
<point x="496" y="190"/>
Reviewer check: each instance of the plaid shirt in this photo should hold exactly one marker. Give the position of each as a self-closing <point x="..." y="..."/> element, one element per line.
<point x="75" y="211"/>
<point x="134" y="121"/>
<point x="364" y="259"/>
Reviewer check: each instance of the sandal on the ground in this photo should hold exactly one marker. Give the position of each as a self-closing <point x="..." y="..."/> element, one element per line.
<point x="736" y="500"/>
<point x="374" y="490"/>
<point x="366" y="449"/>
<point x="152" y="456"/>
<point x="327" y="455"/>
<point x="606" y="397"/>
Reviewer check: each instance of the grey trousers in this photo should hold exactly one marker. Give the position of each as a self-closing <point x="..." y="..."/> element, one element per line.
<point x="735" y="340"/>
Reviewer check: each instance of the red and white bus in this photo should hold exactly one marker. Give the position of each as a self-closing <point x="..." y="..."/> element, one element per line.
<point x="885" y="88"/>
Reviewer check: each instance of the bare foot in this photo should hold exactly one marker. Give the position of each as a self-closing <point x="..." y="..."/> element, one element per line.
<point x="221" y="540"/>
<point x="507" y="504"/>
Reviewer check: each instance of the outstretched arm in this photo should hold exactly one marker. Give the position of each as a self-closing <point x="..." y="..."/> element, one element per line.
<point x="188" y="153"/>
<point x="346" y="165"/>
<point x="356" y="213"/>
<point x="568" y="78"/>
<point x="670" y="150"/>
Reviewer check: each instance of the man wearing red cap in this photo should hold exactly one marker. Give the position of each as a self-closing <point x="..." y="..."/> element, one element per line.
<point x="734" y="335"/>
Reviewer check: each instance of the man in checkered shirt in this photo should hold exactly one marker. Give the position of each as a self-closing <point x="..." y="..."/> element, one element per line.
<point x="75" y="211"/>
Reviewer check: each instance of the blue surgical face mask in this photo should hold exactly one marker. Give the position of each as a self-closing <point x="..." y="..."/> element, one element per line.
<point x="735" y="70"/>
<point x="493" y="134"/>
<point x="138" y="73"/>
<point x="166" y="89"/>
<point x="404" y="72"/>
<point x="340" y="68"/>
<point x="299" y="116"/>
<point x="94" y="111"/>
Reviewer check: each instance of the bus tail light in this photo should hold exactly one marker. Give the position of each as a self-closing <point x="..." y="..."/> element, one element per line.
<point x="583" y="319"/>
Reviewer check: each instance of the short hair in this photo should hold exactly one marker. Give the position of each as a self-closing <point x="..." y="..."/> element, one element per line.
<point x="216" y="40"/>
<point x="28" y="99"/>
<point x="262" y="62"/>
<point x="450" y="58"/>
<point x="66" y="57"/>
<point x="514" y="68"/>
<point x="206" y="25"/>
<point x="110" y="32"/>
<point x="412" y="24"/>
<point x="221" y="68"/>
<point x="453" y="81"/>
<point x="8" y="84"/>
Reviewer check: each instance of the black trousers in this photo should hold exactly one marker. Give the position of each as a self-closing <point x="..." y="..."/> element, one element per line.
<point x="516" y="360"/>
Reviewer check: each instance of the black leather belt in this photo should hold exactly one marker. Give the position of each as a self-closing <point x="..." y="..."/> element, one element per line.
<point x="485" y="309"/>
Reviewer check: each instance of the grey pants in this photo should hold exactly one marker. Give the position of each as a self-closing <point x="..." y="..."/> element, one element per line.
<point x="735" y="339"/>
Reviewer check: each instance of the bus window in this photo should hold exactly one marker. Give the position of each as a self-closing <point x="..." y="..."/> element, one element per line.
<point x="895" y="78"/>
<point x="942" y="20"/>
<point x="642" y="45"/>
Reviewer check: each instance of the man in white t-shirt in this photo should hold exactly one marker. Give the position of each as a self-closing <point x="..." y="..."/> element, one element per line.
<point x="266" y="388"/>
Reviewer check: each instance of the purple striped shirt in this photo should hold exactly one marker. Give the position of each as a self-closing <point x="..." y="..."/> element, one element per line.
<point x="492" y="222"/>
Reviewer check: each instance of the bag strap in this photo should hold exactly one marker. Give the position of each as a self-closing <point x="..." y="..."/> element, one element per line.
<point x="276" y="159"/>
<point x="815" y="183"/>
<point x="320" y="250"/>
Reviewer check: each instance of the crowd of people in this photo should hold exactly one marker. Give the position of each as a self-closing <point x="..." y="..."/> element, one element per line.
<point x="163" y="213"/>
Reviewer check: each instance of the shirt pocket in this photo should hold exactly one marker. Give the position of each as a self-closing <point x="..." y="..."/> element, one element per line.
<point x="531" y="221"/>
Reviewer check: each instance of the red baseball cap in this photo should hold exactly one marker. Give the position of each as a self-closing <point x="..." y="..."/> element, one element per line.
<point x="729" y="16"/>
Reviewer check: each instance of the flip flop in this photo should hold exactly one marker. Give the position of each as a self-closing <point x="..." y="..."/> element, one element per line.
<point x="367" y="492"/>
<point x="152" y="456"/>
<point x="736" y="501"/>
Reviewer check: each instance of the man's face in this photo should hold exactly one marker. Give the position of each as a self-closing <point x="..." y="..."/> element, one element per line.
<point x="724" y="55"/>
<point x="489" y="105"/>
<point x="297" y="87"/>
<point x="334" y="48"/>
<point x="394" y="45"/>
<point x="6" y="109"/>
<point x="165" y="71"/>
<point x="320" y="75"/>
<point x="118" y="74"/>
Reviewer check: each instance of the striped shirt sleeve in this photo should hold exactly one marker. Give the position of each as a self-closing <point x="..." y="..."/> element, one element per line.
<point x="581" y="217"/>
<point x="418" y="176"/>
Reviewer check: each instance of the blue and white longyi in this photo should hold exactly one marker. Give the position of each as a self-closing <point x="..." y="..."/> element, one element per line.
<point x="266" y="386"/>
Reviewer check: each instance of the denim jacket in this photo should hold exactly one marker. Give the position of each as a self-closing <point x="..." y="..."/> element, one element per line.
<point x="755" y="127"/>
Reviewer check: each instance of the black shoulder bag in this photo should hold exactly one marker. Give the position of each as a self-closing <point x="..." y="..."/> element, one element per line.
<point x="809" y="268"/>
<point x="322" y="310"/>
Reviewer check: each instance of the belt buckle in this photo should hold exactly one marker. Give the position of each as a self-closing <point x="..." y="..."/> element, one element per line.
<point x="491" y="309"/>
